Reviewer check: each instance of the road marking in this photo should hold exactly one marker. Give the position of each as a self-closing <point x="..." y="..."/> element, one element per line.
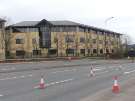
<point x="68" y="70"/>
<point x="102" y="72"/>
<point x="129" y="72"/>
<point x="22" y="76"/>
<point x="30" y="75"/>
<point x="11" y="78"/>
<point x="58" y="82"/>
<point x="14" y="77"/>
<point x="1" y="95"/>
<point x="5" y="69"/>
<point x="98" y="69"/>
<point x="97" y="73"/>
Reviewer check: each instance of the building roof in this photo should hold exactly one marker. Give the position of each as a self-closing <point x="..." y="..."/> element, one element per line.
<point x="2" y="20"/>
<point x="65" y="22"/>
<point x="58" y="23"/>
<point x="25" y="23"/>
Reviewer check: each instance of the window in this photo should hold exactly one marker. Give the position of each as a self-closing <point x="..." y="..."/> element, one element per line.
<point x="69" y="38"/>
<point x="94" y="50"/>
<point x="100" y="41"/>
<point x="88" y="51"/>
<point x="70" y="51"/>
<point x="1" y="25"/>
<point x="82" y="40"/>
<point x="19" y="41"/>
<point x="34" y="41"/>
<point x="20" y="53"/>
<point x="81" y="29"/>
<point x="88" y="40"/>
<point x="112" y="51"/>
<point x="82" y="51"/>
<point x="68" y="29"/>
<point x="45" y="37"/>
<point x="55" y="40"/>
<point x="106" y="42"/>
<point x="94" y="41"/>
<point x="112" y="42"/>
<point x="56" y="29"/>
<point x="52" y="51"/>
<point x="101" y="51"/>
<point x="107" y="50"/>
<point x="93" y="31"/>
<point x="36" y="52"/>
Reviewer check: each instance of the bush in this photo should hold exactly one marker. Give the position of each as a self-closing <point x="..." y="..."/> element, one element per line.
<point x="117" y="55"/>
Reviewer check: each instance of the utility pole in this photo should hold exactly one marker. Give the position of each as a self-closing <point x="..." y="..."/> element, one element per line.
<point x="105" y="47"/>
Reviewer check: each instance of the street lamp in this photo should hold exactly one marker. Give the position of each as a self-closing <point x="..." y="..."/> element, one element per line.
<point x="108" y="19"/>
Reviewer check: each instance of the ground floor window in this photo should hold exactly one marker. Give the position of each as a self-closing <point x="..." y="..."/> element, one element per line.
<point x="36" y="52"/>
<point x="112" y="51"/>
<point x="52" y="51"/>
<point x="94" y="51"/>
<point x="101" y="51"/>
<point x="20" y="53"/>
<point x="107" y="50"/>
<point x="70" y="51"/>
<point x="88" y="51"/>
<point x="82" y="51"/>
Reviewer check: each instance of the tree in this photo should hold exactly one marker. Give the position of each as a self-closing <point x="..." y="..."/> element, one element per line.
<point x="35" y="44"/>
<point x="126" y="40"/>
<point x="6" y="37"/>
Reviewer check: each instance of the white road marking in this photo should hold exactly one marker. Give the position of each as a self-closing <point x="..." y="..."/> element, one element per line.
<point x="30" y="75"/>
<point x="11" y="78"/>
<point x="68" y="70"/>
<point x="102" y="72"/>
<point x="129" y="72"/>
<point x="58" y="82"/>
<point x="14" y="77"/>
<point x="5" y="69"/>
<point x="98" y="69"/>
<point x="22" y="76"/>
<point x="13" y="68"/>
<point x="1" y="95"/>
<point x="97" y="73"/>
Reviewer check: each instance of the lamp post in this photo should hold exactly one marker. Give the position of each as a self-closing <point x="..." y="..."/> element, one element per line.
<point x="106" y="21"/>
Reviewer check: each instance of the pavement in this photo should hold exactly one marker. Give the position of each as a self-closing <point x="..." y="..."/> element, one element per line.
<point x="28" y="66"/>
<point x="70" y="82"/>
<point x="127" y="93"/>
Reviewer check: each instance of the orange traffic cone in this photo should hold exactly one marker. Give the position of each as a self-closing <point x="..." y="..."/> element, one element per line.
<point x="91" y="71"/>
<point x="42" y="83"/>
<point x="69" y="58"/>
<point x="115" y="88"/>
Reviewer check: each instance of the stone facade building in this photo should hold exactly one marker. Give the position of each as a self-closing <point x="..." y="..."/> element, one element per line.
<point x="60" y="38"/>
<point x="2" y="37"/>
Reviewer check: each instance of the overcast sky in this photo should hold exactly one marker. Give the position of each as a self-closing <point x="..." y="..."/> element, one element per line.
<point x="90" y="12"/>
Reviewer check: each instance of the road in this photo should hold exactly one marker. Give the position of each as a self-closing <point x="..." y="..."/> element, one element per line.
<point x="62" y="84"/>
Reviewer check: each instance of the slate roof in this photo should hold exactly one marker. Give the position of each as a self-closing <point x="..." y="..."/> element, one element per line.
<point x="58" y="23"/>
<point x="25" y="23"/>
<point x="1" y="20"/>
<point x="33" y="23"/>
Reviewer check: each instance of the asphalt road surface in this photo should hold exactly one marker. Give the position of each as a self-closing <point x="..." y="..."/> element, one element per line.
<point x="62" y="84"/>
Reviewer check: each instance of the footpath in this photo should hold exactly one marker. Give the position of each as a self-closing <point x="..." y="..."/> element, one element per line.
<point x="127" y="93"/>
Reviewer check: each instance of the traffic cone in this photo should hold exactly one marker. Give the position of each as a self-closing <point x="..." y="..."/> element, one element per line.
<point x="91" y="71"/>
<point x="69" y="58"/>
<point x="115" y="88"/>
<point x="42" y="83"/>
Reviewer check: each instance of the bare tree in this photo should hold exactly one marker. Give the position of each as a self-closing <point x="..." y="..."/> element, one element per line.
<point x="125" y="41"/>
<point x="35" y="44"/>
<point x="6" y="37"/>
